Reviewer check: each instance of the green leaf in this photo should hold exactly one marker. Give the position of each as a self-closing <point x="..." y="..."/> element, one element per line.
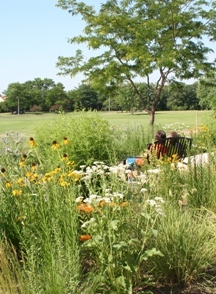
<point x="113" y="224"/>
<point x="120" y="245"/>
<point x="149" y="253"/>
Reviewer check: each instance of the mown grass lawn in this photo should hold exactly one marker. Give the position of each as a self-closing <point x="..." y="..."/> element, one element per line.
<point x="26" y="123"/>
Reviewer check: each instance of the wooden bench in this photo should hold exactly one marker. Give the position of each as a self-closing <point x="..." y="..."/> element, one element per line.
<point x="172" y="145"/>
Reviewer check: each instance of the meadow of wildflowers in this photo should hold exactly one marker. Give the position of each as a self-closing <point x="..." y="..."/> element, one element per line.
<point x="72" y="221"/>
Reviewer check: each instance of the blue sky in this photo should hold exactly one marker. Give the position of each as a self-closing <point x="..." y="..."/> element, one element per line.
<point x="33" y="33"/>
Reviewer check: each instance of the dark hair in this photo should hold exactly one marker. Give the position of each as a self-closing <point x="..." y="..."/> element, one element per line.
<point x="173" y="137"/>
<point x="173" y="134"/>
<point x="160" y="135"/>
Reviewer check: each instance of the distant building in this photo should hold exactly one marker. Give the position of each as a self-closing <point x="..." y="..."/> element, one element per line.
<point x="2" y="98"/>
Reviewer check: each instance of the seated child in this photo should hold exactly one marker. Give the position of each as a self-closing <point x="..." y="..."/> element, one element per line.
<point x="174" y="144"/>
<point x="158" y="146"/>
<point x="159" y="149"/>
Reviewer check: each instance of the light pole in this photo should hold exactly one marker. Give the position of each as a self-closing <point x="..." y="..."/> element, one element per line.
<point x="18" y="110"/>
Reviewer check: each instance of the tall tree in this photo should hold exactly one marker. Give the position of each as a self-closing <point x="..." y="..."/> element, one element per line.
<point x="142" y="39"/>
<point x="206" y="92"/>
<point x="42" y="93"/>
<point x="86" y="98"/>
<point x="183" y="97"/>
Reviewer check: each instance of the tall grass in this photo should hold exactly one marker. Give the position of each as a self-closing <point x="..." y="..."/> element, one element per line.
<point x="186" y="240"/>
<point x="75" y="224"/>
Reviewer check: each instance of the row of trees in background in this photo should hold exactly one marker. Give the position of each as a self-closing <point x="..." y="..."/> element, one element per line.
<point x="46" y="95"/>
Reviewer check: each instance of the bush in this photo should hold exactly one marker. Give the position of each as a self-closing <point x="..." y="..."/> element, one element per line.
<point x="89" y="138"/>
<point x="84" y="139"/>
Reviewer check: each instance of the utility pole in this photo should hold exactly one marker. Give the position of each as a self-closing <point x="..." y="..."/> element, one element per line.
<point x="18" y="110"/>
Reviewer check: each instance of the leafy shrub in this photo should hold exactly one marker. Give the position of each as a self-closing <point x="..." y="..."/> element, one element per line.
<point x="85" y="138"/>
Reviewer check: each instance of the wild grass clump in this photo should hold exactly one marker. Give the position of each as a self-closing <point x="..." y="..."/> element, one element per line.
<point x="11" y="279"/>
<point x="187" y="241"/>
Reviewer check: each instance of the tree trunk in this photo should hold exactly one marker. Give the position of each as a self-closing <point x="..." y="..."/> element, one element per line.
<point x="152" y="117"/>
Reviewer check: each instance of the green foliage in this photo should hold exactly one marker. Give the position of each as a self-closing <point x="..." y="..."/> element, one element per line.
<point x="119" y="232"/>
<point x="172" y="34"/>
<point x="206" y="92"/>
<point x="42" y="93"/>
<point x="182" y="97"/>
<point x="89" y="138"/>
<point x="70" y="226"/>
<point x="86" y="98"/>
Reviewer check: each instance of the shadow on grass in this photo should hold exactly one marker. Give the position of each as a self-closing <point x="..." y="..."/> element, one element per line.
<point x="41" y="113"/>
<point x="145" y="113"/>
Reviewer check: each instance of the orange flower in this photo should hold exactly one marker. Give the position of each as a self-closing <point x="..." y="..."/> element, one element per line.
<point x="85" y="237"/>
<point x="124" y="204"/>
<point x="86" y="208"/>
<point x="102" y="203"/>
<point x="113" y="204"/>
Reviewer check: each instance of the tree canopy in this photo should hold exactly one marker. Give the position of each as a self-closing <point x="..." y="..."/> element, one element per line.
<point x="206" y="93"/>
<point x="141" y="39"/>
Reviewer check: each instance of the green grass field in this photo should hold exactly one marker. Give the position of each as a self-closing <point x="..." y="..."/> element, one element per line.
<point x="26" y="123"/>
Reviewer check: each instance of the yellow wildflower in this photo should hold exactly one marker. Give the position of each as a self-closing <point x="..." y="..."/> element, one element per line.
<point x="46" y="178"/>
<point x="56" y="171"/>
<point x="31" y="176"/>
<point x="63" y="183"/>
<point x="33" y="167"/>
<point x="28" y="174"/>
<point x="16" y="192"/>
<point x="55" y="145"/>
<point x="65" y="140"/>
<point x="65" y="157"/>
<point x="8" y="185"/>
<point x="21" y="182"/>
<point x="71" y="163"/>
<point x="32" y="142"/>
<point x="22" y="163"/>
<point x="74" y="175"/>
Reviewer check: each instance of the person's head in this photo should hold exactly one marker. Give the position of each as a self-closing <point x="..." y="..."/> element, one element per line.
<point x="173" y="137"/>
<point x="160" y="135"/>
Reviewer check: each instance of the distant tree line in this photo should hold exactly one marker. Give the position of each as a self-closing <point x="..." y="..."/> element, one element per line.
<point x="46" y="95"/>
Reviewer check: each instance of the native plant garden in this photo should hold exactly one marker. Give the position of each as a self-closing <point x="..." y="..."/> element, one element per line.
<point x="71" y="222"/>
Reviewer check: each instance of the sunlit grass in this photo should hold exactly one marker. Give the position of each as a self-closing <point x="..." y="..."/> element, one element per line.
<point x="26" y="123"/>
